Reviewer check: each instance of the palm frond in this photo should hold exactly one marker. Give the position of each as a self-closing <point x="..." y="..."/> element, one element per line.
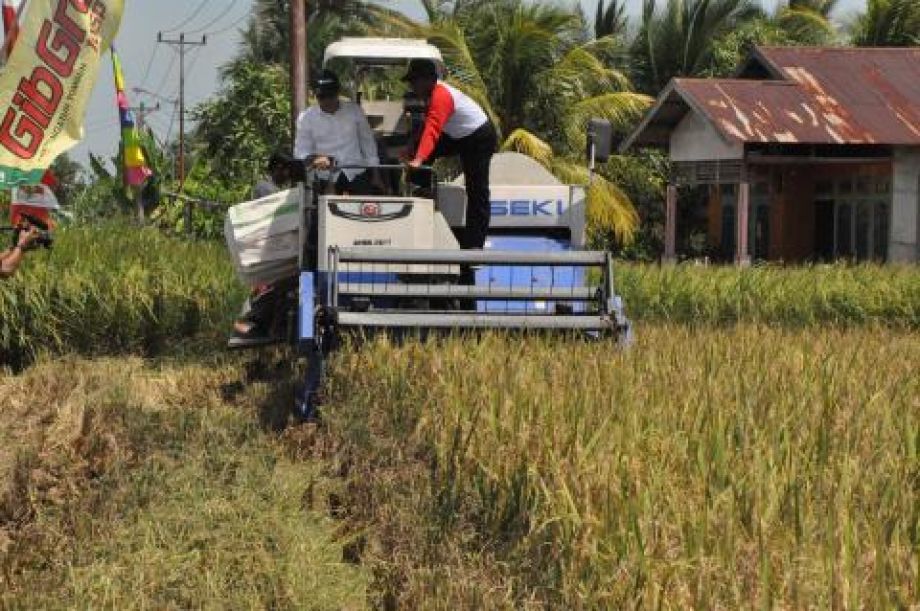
<point x="581" y="70"/>
<point x="609" y="209"/>
<point x="623" y="110"/>
<point x="806" y="24"/>
<point x="610" y="20"/>
<point x="450" y="38"/>
<point x="527" y="143"/>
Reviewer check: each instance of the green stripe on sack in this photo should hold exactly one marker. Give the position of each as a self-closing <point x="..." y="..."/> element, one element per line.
<point x="12" y="177"/>
<point x="291" y="208"/>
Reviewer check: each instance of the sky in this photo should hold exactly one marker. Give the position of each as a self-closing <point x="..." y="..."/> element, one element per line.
<point x="154" y="67"/>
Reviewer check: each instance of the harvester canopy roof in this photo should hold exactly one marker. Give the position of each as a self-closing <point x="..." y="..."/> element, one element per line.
<point x="383" y="51"/>
<point x="513" y="169"/>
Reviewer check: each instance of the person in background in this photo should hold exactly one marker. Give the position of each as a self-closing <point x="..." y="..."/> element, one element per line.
<point x="456" y="126"/>
<point x="277" y="178"/>
<point x="11" y="258"/>
<point x="336" y="131"/>
<point x="257" y="316"/>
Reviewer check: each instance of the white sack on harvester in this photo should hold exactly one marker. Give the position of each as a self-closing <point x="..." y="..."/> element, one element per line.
<point x="263" y="237"/>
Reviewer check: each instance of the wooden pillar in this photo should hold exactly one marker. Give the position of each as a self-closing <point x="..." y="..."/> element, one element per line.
<point x="742" y="250"/>
<point x="670" y="225"/>
<point x="298" y="63"/>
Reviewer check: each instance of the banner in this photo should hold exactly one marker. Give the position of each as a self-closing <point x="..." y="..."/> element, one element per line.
<point x="47" y="82"/>
<point x="10" y="28"/>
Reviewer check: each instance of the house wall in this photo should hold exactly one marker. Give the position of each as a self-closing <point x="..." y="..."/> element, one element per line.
<point x="792" y="194"/>
<point x="796" y="205"/>
<point x="905" y="216"/>
<point x="694" y="140"/>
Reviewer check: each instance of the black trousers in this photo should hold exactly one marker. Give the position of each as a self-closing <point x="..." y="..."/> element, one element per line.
<point x="475" y="152"/>
<point x="359" y="185"/>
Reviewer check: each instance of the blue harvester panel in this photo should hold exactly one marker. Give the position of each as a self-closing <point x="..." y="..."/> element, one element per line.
<point x="307" y="305"/>
<point x="501" y="276"/>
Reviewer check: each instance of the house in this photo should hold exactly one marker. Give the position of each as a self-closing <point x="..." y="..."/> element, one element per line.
<point x="808" y="154"/>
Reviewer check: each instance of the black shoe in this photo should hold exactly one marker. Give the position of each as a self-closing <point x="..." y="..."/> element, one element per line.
<point x="254" y="338"/>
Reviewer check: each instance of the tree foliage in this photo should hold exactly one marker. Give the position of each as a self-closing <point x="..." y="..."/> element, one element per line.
<point x="888" y="23"/>
<point x="541" y="77"/>
<point x="250" y="117"/>
<point x="677" y="39"/>
<point x="610" y="19"/>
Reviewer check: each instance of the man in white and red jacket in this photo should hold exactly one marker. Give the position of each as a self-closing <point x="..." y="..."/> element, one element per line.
<point x="455" y="125"/>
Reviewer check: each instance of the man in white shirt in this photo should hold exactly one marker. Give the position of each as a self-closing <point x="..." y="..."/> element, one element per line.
<point x="336" y="130"/>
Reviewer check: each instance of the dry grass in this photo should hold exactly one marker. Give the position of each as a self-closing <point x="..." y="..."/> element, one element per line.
<point x="702" y="469"/>
<point x="127" y="484"/>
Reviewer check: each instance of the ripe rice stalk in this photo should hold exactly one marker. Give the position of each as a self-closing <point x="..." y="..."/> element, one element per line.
<point x="704" y="467"/>
<point x="114" y="289"/>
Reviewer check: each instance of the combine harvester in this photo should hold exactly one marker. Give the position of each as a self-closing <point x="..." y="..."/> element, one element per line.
<point x="391" y="262"/>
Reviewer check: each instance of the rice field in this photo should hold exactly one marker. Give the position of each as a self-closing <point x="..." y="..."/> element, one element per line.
<point x="758" y="446"/>
<point x="704" y="468"/>
<point x="114" y="290"/>
<point x="118" y="289"/>
<point x="797" y="296"/>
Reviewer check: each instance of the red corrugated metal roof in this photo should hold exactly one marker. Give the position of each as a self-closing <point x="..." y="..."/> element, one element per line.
<point x="875" y="90"/>
<point x="816" y="96"/>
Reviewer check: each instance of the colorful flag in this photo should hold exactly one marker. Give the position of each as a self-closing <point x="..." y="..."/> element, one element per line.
<point x="136" y="171"/>
<point x="45" y="86"/>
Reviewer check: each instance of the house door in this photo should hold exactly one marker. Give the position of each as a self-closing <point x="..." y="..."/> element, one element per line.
<point x="824" y="230"/>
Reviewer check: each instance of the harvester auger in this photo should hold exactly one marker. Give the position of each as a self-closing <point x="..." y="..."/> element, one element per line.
<point x="391" y="262"/>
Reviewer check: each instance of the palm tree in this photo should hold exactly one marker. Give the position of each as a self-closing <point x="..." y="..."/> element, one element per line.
<point x="677" y="41"/>
<point x="267" y="38"/>
<point x="808" y="21"/>
<point x="610" y="19"/>
<point x="888" y="23"/>
<point x="534" y="70"/>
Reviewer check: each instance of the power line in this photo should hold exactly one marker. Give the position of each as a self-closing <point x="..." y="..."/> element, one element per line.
<point x="189" y="19"/>
<point x="153" y="55"/>
<point x="231" y="26"/>
<point x="166" y="75"/>
<point x="216" y="19"/>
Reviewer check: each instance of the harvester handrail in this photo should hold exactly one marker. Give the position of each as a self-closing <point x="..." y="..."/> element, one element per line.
<point x="380" y="166"/>
<point x="579" y="258"/>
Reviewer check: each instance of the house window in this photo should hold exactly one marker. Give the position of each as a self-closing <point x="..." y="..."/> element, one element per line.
<point x="758" y="220"/>
<point x="729" y="204"/>
<point x="859" y="209"/>
<point x="880" y="231"/>
<point x="843" y="238"/>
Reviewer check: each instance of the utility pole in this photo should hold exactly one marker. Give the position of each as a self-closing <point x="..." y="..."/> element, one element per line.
<point x="298" y="62"/>
<point x="181" y="43"/>
<point x="141" y="112"/>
